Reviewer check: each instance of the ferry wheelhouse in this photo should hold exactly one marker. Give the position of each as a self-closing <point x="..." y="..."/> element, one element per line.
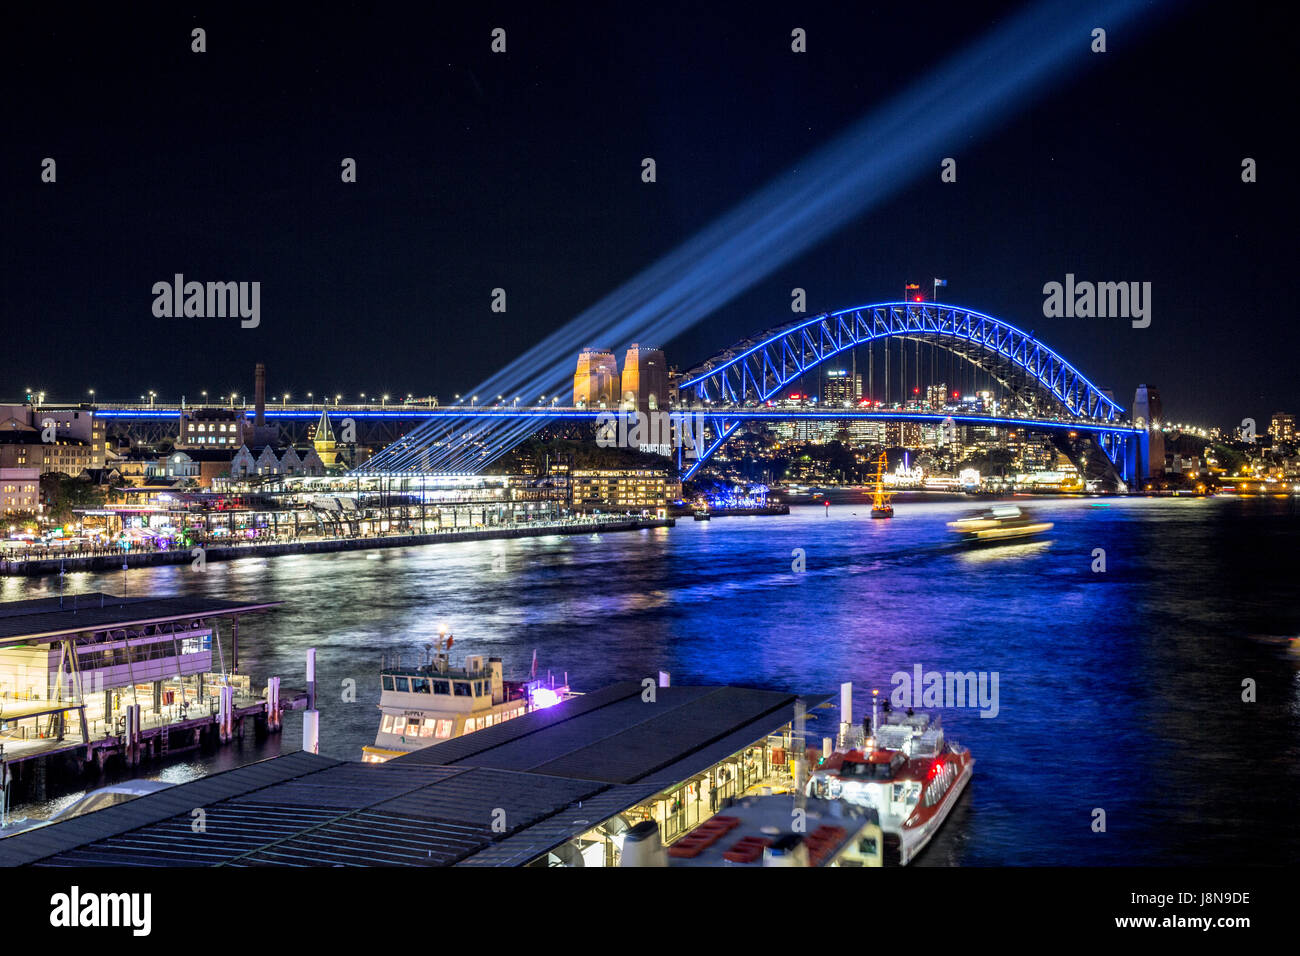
<point x="908" y="772"/>
<point x="427" y="703"/>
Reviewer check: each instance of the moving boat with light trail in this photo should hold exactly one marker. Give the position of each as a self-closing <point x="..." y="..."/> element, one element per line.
<point x="1001" y="524"/>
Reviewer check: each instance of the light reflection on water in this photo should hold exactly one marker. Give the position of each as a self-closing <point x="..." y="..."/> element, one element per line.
<point x="1118" y="690"/>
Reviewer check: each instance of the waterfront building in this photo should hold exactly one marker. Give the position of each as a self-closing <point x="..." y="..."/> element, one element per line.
<point x="574" y="778"/>
<point x="269" y="461"/>
<point x="20" y="490"/>
<point x="639" y="489"/>
<point x="22" y="448"/>
<point x="70" y="424"/>
<point x="71" y="666"/>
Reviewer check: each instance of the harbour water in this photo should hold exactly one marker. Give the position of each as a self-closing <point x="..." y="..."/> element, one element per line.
<point x="1118" y="691"/>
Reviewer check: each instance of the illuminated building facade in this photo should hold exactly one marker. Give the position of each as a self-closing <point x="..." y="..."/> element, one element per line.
<point x="640" y="489"/>
<point x="1282" y="427"/>
<point x="841" y="387"/>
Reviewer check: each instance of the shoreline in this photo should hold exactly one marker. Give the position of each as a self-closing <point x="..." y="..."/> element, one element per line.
<point x="39" y="567"/>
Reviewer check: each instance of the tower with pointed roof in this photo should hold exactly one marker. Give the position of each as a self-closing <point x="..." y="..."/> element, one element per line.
<point x="324" y="441"/>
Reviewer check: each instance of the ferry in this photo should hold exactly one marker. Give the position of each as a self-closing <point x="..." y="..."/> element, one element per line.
<point x="908" y="772"/>
<point x="702" y="514"/>
<point x="998" y="525"/>
<point x="436" y="701"/>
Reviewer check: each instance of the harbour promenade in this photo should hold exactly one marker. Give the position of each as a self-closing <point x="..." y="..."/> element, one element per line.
<point x="52" y="560"/>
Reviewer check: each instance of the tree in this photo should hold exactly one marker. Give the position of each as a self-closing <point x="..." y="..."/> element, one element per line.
<point x="63" y="494"/>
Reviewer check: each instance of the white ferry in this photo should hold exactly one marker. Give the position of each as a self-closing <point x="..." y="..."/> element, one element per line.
<point x="435" y="701"/>
<point x="907" y="772"/>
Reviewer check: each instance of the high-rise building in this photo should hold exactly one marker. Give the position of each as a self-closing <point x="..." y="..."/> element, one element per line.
<point x="596" y="381"/>
<point x="936" y="396"/>
<point x="645" y="379"/>
<point x="1282" y="428"/>
<point x="841" y="386"/>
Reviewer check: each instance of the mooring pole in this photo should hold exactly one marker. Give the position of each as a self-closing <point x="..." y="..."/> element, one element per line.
<point x="311" y="718"/>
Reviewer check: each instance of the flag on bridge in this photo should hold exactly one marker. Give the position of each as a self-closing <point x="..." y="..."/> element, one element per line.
<point x="940" y="283"/>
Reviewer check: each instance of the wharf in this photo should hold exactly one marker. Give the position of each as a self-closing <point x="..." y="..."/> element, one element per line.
<point x="89" y="677"/>
<point x="35" y="567"/>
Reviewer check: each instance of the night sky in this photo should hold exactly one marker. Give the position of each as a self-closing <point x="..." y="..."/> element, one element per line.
<point x="523" y="171"/>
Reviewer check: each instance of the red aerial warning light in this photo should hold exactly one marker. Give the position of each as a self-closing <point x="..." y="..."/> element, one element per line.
<point x="915" y="391"/>
<point x="917" y="299"/>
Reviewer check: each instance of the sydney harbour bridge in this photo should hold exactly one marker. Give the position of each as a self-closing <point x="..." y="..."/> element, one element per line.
<point x="1040" y="391"/>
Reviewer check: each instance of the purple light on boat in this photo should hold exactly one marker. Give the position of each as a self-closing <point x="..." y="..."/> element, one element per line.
<point x="544" y="697"/>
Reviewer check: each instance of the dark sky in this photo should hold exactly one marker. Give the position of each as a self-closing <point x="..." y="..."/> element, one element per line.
<point x="522" y="171"/>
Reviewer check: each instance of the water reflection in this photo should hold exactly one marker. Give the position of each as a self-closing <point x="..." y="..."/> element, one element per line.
<point x="1118" y="689"/>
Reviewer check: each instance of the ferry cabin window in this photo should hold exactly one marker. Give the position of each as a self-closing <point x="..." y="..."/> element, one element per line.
<point x="444" y="728"/>
<point x="388" y="682"/>
<point x="430" y="727"/>
<point x="386" y="726"/>
<point x="420" y="685"/>
<point x="462" y="689"/>
<point x="403" y="684"/>
<point x="399" y="725"/>
<point x="442" y="687"/>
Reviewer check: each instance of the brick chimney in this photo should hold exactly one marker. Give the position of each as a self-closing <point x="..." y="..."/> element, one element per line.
<point x="259" y="395"/>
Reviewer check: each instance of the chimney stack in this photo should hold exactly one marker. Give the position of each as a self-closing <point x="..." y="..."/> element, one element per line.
<point x="259" y="393"/>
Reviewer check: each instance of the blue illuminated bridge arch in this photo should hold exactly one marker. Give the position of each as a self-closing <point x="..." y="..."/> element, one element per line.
<point x="1046" y="392"/>
<point x="759" y="369"/>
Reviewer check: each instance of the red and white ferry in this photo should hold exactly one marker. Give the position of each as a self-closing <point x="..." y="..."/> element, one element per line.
<point x="908" y="772"/>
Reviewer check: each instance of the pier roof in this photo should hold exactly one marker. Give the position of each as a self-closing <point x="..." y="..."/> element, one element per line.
<point x="499" y="797"/>
<point x="50" y="618"/>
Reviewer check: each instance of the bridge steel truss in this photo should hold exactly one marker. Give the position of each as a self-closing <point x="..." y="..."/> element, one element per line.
<point x="755" y="371"/>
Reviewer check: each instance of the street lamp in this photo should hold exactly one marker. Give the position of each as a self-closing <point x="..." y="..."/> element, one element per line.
<point x="284" y="400"/>
<point x="384" y="402"/>
<point x="151" y="397"/>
